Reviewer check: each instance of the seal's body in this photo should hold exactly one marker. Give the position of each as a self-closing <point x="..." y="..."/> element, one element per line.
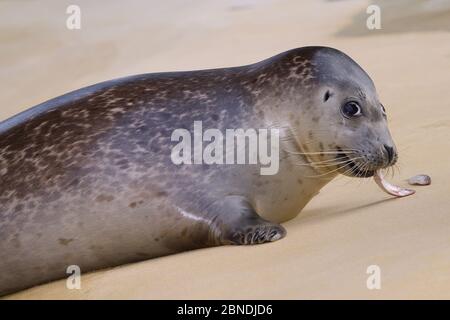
<point x="87" y="179"/>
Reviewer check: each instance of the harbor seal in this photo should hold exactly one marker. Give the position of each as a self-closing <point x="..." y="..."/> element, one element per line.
<point x="87" y="179"/>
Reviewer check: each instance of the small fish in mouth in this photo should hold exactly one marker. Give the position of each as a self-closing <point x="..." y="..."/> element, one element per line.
<point x="390" y="188"/>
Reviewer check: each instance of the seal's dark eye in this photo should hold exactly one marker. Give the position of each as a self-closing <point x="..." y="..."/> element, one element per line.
<point x="351" y="109"/>
<point x="383" y="110"/>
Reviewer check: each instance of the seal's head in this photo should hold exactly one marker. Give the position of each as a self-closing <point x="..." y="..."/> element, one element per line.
<point x="346" y="128"/>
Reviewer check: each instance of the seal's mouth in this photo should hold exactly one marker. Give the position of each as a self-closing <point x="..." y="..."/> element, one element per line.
<point x="352" y="169"/>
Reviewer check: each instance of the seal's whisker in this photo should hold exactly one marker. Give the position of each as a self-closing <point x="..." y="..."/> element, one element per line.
<point x="359" y="166"/>
<point x="363" y="170"/>
<point x="328" y="160"/>
<point x="366" y="169"/>
<point x="324" y="165"/>
<point x="321" y="152"/>
<point x="357" y="169"/>
<point x="329" y="172"/>
<point x="347" y="171"/>
<point x="352" y="169"/>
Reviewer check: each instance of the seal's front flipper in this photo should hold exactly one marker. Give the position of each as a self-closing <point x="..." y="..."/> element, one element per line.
<point x="256" y="232"/>
<point x="240" y="224"/>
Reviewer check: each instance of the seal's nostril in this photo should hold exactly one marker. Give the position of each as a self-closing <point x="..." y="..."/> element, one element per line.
<point x="390" y="152"/>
